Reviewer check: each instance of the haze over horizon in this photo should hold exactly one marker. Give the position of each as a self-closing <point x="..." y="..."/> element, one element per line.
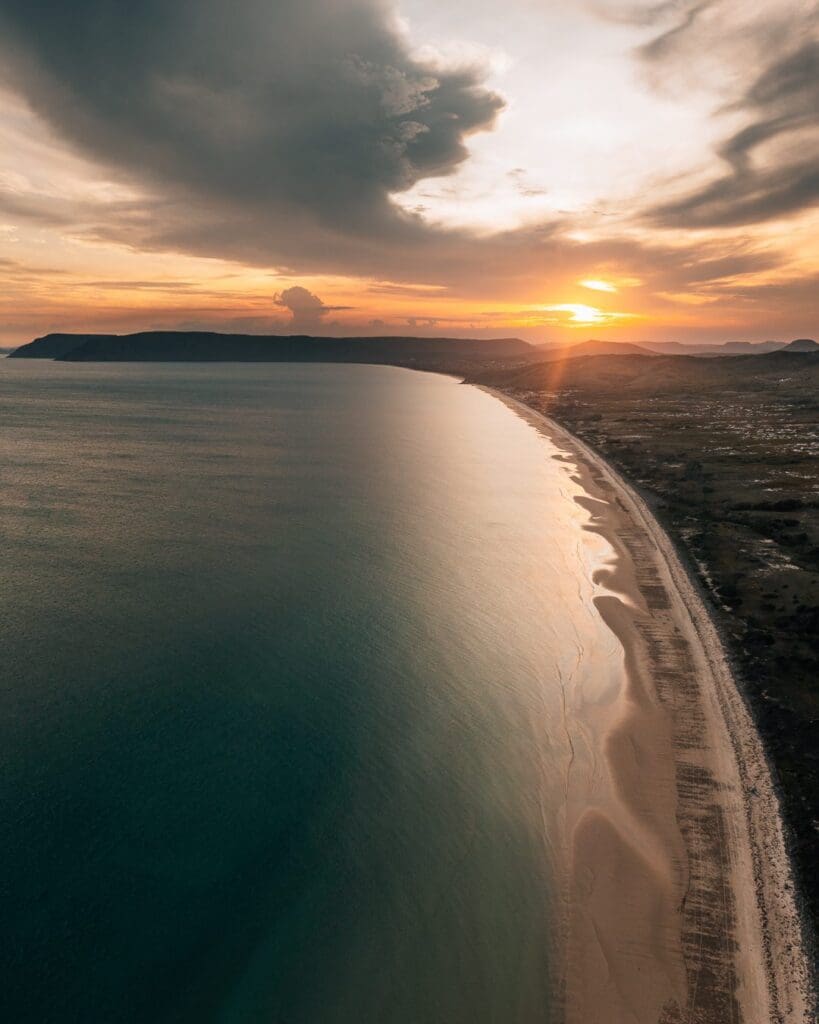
<point x="550" y="171"/>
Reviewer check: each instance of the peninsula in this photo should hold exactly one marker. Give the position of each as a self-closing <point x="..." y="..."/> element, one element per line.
<point x="199" y="346"/>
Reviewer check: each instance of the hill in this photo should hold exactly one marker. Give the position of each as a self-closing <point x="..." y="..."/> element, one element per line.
<point x="51" y="346"/>
<point x="651" y="375"/>
<point x="195" y="346"/>
<point x="593" y="347"/>
<point x="802" y="345"/>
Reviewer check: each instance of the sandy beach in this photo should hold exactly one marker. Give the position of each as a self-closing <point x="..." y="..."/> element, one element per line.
<point x="679" y="900"/>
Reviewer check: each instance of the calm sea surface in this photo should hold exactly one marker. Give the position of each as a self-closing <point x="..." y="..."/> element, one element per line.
<point x="293" y="661"/>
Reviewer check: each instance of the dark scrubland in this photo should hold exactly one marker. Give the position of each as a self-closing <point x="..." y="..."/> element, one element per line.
<point x="727" y="453"/>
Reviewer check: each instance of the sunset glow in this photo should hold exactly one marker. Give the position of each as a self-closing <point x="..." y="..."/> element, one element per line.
<point x="479" y="195"/>
<point x="581" y="315"/>
<point x="598" y="286"/>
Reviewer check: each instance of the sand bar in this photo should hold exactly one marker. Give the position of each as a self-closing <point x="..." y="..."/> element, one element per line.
<point x="680" y="905"/>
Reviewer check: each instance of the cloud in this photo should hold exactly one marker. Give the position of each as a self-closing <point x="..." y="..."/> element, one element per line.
<point x="172" y="286"/>
<point x="307" y="309"/>
<point x="522" y="185"/>
<point x="771" y="159"/>
<point x="523" y="265"/>
<point x="686" y="17"/>
<point x="276" y="135"/>
<point x="257" y="122"/>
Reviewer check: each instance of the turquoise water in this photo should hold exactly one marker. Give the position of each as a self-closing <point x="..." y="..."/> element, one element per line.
<point x="285" y="651"/>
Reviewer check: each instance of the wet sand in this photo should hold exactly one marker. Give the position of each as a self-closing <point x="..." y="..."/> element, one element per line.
<point x="679" y="902"/>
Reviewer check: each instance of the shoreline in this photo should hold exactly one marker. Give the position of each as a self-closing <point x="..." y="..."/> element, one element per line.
<point x="679" y="895"/>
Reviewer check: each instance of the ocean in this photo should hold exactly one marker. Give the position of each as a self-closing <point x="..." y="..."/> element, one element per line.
<point x="294" y="667"/>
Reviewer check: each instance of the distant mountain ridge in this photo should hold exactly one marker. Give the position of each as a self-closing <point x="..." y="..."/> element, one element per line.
<point x="593" y="347"/>
<point x="802" y="345"/>
<point x="727" y="348"/>
<point x="201" y="346"/>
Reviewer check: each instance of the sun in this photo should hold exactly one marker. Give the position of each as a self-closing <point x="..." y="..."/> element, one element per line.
<point x="581" y="314"/>
<point x="596" y="285"/>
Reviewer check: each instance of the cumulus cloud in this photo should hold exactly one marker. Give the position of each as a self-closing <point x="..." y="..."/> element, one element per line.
<point x="306" y="309"/>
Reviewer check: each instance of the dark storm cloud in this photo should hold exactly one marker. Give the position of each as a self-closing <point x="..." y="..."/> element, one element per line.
<point x="772" y="161"/>
<point x="297" y="115"/>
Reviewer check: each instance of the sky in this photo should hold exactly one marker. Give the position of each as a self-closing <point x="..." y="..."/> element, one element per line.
<point x="545" y="169"/>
